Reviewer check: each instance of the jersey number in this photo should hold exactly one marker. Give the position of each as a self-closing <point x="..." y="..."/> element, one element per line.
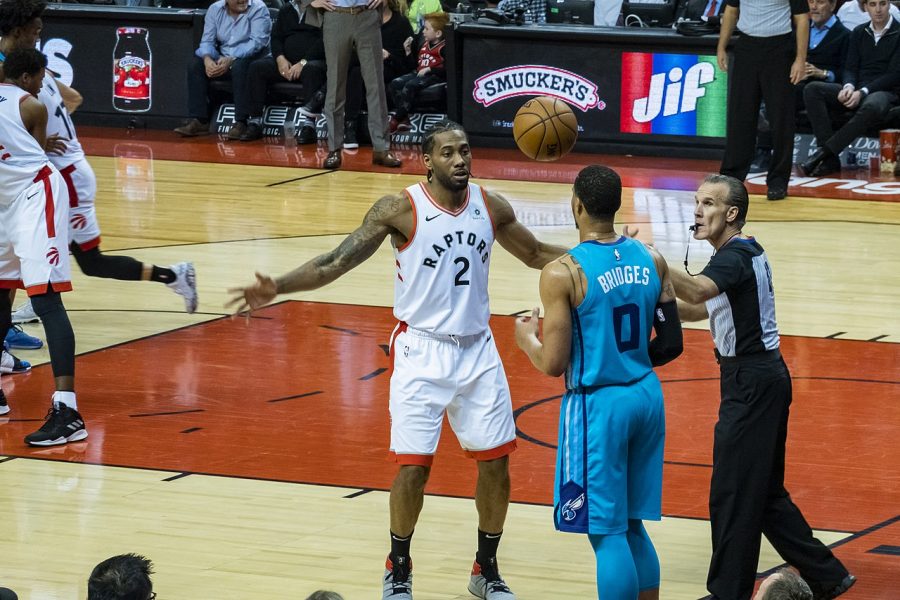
<point x="463" y="269"/>
<point x="620" y="313"/>
<point x="65" y="119"/>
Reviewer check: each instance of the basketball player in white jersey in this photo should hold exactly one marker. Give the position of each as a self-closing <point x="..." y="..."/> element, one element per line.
<point x="445" y="360"/>
<point x="34" y="214"/>
<point x="67" y="155"/>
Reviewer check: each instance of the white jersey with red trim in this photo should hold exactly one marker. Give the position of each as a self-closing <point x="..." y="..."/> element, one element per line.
<point x="442" y="270"/>
<point x="21" y="158"/>
<point x="59" y="123"/>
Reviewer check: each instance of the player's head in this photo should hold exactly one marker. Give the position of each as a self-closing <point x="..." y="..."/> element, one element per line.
<point x="597" y="193"/>
<point x="123" y="577"/>
<point x="784" y="585"/>
<point x="20" y="21"/>
<point x="721" y="206"/>
<point x="447" y="156"/>
<point x="25" y="67"/>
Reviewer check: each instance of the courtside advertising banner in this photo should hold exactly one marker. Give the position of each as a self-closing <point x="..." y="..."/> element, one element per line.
<point x="616" y="96"/>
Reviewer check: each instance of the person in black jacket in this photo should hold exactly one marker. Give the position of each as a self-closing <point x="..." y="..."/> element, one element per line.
<point x="297" y="55"/>
<point x="828" y="40"/>
<point x="696" y="10"/>
<point x="871" y="81"/>
<point x="396" y="37"/>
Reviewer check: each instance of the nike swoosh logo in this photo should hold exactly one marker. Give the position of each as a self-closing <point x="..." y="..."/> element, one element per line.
<point x="33" y="195"/>
<point x="432" y="217"/>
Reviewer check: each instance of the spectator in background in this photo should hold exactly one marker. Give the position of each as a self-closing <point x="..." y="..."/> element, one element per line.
<point x="122" y="577"/>
<point x="785" y="584"/>
<point x="417" y="11"/>
<point x="235" y="33"/>
<point x="399" y="59"/>
<point x="429" y="70"/>
<point x="852" y="13"/>
<point x="695" y="10"/>
<point x="297" y="55"/>
<point x="828" y="39"/>
<point x="535" y="10"/>
<point x="871" y="82"/>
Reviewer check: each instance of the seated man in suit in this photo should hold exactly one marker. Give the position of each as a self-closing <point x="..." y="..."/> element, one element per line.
<point x="697" y="10"/>
<point x="235" y="33"/>
<point x="871" y="78"/>
<point x="828" y="39"/>
<point x="297" y="55"/>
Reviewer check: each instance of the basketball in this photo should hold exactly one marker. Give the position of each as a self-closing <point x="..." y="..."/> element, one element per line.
<point x="545" y="128"/>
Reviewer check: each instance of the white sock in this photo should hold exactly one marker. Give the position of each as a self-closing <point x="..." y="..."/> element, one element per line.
<point x="67" y="398"/>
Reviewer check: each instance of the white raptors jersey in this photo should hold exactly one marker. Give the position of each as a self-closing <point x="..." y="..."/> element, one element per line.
<point x="20" y="155"/>
<point x="59" y="123"/>
<point x="442" y="270"/>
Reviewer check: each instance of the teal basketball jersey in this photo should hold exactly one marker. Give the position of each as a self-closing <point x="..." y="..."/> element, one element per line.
<point x="611" y="327"/>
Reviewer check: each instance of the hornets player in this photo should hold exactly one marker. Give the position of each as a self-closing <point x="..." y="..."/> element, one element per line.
<point x="601" y="301"/>
<point x="445" y="359"/>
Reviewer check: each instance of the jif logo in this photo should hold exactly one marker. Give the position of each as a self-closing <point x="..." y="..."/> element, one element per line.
<point x="673" y="94"/>
<point x="679" y="95"/>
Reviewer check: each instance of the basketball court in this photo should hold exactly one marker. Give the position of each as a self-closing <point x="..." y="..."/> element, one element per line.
<point x="247" y="457"/>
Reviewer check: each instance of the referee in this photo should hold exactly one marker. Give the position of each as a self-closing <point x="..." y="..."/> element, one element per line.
<point x="747" y="495"/>
<point x="768" y="61"/>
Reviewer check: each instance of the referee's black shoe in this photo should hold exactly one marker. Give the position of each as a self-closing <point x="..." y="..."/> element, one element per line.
<point x="776" y="192"/>
<point x="827" y="591"/>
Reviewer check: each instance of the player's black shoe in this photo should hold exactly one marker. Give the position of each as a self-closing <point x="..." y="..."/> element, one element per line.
<point x="62" y="425"/>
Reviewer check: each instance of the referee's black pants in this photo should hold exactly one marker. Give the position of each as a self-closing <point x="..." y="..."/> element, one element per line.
<point x="747" y="495"/>
<point x="761" y="70"/>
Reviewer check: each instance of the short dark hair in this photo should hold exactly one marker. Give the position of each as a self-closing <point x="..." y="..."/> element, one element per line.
<point x="18" y="13"/>
<point x="22" y="61"/>
<point x="323" y="595"/>
<point x="600" y="190"/>
<point x="736" y="195"/>
<point x="789" y="586"/>
<point x="442" y="126"/>
<point x="122" y="577"/>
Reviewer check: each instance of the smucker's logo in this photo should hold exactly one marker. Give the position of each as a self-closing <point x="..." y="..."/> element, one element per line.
<point x="537" y="80"/>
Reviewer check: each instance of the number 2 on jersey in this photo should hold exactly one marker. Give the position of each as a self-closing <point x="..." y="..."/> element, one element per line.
<point x="463" y="269"/>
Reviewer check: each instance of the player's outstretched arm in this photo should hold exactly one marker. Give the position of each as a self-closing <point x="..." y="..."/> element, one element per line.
<point x="668" y="344"/>
<point x="693" y="289"/>
<point x="689" y="313"/>
<point x="325" y="268"/>
<point x="551" y="356"/>
<point x="518" y="239"/>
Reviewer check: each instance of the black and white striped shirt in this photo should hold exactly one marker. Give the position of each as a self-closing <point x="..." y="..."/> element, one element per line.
<point x="767" y="18"/>
<point x="742" y="316"/>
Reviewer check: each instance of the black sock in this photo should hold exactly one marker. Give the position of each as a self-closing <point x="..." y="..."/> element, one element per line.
<point x="400" y="556"/>
<point x="162" y="274"/>
<point x="487" y="553"/>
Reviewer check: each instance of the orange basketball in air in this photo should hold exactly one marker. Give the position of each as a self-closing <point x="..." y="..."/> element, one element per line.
<point x="545" y="128"/>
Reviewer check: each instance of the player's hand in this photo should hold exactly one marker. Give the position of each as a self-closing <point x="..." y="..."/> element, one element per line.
<point x="722" y="59"/>
<point x="527" y="329"/>
<point x="55" y="144"/>
<point x="252" y="297"/>
<point x="323" y="4"/>
<point x="798" y="71"/>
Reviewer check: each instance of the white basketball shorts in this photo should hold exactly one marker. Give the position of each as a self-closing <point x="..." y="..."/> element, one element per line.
<point x="34" y="236"/>
<point x="459" y="375"/>
<point x="84" y="229"/>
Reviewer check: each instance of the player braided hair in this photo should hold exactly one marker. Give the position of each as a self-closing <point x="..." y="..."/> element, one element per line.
<point x="442" y="126"/>
<point x="22" y="61"/>
<point x="600" y="190"/>
<point x="18" y="13"/>
<point x="736" y="196"/>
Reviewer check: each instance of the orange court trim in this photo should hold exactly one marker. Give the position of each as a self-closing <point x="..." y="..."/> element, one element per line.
<point x="43" y="288"/>
<point x="493" y="453"/>
<point x="418" y="460"/>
